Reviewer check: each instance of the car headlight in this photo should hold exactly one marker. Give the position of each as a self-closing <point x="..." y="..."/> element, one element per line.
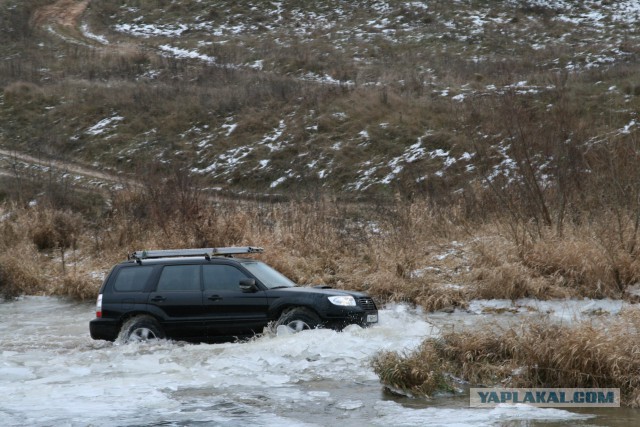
<point x="345" y="300"/>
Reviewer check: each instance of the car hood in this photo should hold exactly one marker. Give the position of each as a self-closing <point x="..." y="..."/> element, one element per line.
<point x="320" y="291"/>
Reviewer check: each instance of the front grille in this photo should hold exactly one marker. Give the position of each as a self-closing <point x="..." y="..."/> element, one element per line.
<point x="366" y="303"/>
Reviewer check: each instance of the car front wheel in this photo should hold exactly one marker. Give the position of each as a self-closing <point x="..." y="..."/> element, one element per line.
<point x="299" y="319"/>
<point x="140" y="328"/>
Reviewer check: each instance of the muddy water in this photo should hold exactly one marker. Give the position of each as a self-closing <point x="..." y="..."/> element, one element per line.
<point x="52" y="373"/>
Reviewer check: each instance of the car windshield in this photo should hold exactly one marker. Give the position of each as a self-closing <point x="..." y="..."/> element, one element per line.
<point x="267" y="275"/>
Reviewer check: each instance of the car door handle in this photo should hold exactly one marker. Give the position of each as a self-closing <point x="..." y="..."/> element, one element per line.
<point x="215" y="298"/>
<point x="158" y="299"/>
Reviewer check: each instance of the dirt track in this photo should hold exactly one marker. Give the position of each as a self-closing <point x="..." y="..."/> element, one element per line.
<point x="63" y="12"/>
<point x="9" y="157"/>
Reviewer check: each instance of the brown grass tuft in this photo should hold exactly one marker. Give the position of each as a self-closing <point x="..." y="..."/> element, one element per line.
<point x="21" y="272"/>
<point x="22" y="92"/>
<point x="79" y="286"/>
<point x="537" y="354"/>
<point x="422" y="373"/>
<point x="552" y="266"/>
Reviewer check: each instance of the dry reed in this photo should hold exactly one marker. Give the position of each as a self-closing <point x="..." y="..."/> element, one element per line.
<point x="534" y="354"/>
<point x="403" y="252"/>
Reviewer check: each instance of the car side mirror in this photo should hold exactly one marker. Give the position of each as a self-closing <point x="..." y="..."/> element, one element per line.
<point x="248" y="285"/>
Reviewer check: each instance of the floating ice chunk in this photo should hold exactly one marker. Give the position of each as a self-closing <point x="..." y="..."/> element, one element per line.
<point x="391" y="413"/>
<point x="350" y="405"/>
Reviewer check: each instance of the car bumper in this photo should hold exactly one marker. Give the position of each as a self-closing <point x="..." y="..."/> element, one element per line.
<point x="361" y="318"/>
<point x="104" y="329"/>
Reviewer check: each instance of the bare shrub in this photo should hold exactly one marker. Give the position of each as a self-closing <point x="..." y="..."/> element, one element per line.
<point x="23" y="92"/>
<point x="10" y="234"/>
<point x="56" y="229"/>
<point x="125" y="223"/>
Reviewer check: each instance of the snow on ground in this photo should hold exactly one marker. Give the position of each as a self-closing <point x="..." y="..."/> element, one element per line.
<point x="151" y="30"/>
<point x="185" y="53"/>
<point x="88" y="34"/>
<point x="104" y="125"/>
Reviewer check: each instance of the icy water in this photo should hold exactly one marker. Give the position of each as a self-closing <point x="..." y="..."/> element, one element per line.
<point x="53" y="374"/>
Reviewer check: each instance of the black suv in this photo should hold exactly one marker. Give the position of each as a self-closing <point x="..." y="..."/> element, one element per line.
<point x="207" y="295"/>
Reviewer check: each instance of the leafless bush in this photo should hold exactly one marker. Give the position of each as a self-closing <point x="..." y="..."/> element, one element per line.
<point x="56" y="230"/>
<point x="15" y="19"/>
<point x="23" y="92"/>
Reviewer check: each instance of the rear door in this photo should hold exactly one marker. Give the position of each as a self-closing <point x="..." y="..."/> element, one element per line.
<point x="178" y="300"/>
<point x="125" y="290"/>
<point x="229" y="311"/>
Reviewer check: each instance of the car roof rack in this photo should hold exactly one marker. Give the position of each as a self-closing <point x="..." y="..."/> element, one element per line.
<point x="205" y="252"/>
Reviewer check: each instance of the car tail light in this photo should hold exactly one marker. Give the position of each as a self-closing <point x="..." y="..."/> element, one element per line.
<point x="99" y="306"/>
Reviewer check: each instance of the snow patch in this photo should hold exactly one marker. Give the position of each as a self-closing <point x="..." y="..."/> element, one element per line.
<point x="104" y="125"/>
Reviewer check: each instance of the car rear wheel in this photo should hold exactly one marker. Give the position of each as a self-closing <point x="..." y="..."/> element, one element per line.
<point x="140" y="328"/>
<point x="299" y="319"/>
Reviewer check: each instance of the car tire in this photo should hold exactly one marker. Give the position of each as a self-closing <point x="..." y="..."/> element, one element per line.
<point x="299" y="319"/>
<point x="139" y="329"/>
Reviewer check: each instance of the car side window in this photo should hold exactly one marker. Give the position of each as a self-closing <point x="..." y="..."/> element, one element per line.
<point x="222" y="277"/>
<point x="179" y="278"/>
<point x="132" y="279"/>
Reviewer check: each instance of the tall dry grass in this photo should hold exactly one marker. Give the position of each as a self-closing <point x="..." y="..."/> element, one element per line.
<point x="577" y="263"/>
<point x="406" y="251"/>
<point x="314" y="241"/>
<point x="423" y="372"/>
<point x="22" y="272"/>
<point x="536" y="354"/>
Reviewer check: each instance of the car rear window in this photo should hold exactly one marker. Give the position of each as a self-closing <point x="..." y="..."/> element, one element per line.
<point x="132" y="279"/>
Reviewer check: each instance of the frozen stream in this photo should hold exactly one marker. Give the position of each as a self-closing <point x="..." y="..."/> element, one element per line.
<point x="53" y="374"/>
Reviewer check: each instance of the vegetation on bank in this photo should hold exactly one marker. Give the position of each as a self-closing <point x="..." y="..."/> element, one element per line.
<point x="59" y="239"/>
<point x="535" y="354"/>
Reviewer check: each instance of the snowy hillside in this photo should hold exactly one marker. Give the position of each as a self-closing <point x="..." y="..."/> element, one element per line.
<point x="345" y="95"/>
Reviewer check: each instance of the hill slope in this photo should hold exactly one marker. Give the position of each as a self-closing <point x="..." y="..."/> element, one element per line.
<point x="371" y="97"/>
